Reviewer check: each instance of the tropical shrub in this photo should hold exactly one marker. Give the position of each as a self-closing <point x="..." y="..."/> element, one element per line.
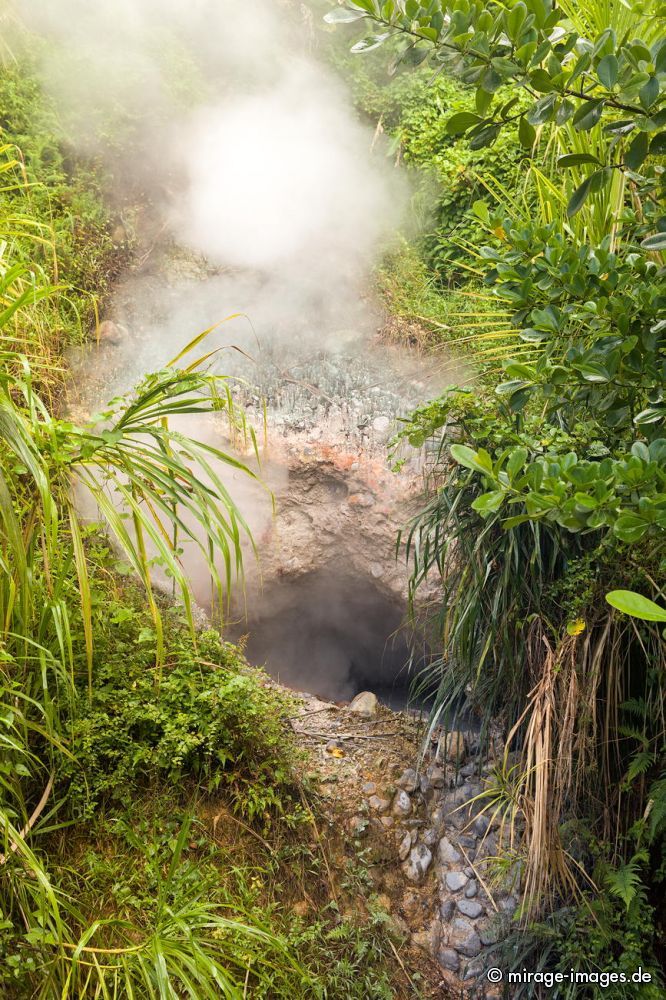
<point x="554" y="491"/>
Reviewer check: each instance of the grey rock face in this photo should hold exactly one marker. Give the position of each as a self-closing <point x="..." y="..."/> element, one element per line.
<point x="402" y="804"/>
<point x="480" y="825"/>
<point x="463" y="937"/>
<point x="448" y="854"/>
<point x="408" y="780"/>
<point x="405" y="846"/>
<point x="449" y="959"/>
<point x="420" y="858"/>
<point x="378" y="804"/>
<point x="455" y="881"/>
<point x="470" y="908"/>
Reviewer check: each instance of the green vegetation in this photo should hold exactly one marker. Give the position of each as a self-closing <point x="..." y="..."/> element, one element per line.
<point x="154" y="834"/>
<point x="554" y="493"/>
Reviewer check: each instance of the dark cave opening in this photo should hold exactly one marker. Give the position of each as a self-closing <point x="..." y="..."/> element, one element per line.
<point x="332" y="633"/>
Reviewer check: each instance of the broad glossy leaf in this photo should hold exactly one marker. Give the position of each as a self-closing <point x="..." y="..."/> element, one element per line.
<point x="631" y="603"/>
<point x="461" y="122"/>
<point x="608" y="70"/>
<point x="588" y="115"/>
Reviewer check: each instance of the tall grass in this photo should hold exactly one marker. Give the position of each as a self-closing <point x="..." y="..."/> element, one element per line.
<point x="156" y="490"/>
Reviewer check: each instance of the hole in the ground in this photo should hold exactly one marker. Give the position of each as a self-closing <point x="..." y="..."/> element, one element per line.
<point x="331" y="633"/>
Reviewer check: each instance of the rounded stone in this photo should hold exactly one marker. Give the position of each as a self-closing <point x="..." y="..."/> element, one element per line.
<point x="470" y="908"/>
<point x="408" y="780"/>
<point x="402" y="804"/>
<point x="455" y="881"/>
<point x="405" y="846"/>
<point x="365" y="703"/>
<point x="420" y="859"/>
<point x="471" y="889"/>
<point x="449" y="959"/>
<point x="463" y="938"/>
<point x="378" y="804"/>
<point x="448" y="855"/>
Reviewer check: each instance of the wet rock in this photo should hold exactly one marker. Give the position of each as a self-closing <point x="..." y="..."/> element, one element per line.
<point x="408" y="780"/>
<point x="364" y="704"/>
<point x="471" y="889"/>
<point x="405" y="847"/>
<point x="448" y="855"/>
<point x="378" y="804"/>
<point x="449" y="959"/>
<point x="455" y="747"/>
<point x="470" y="908"/>
<point x="402" y="804"/>
<point x="455" y="881"/>
<point x="463" y="937"/>
<point x="420" y="859"/>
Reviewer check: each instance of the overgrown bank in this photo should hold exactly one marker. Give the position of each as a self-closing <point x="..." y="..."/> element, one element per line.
<point x="548" y="511"/>
<point x="157" y="830"/>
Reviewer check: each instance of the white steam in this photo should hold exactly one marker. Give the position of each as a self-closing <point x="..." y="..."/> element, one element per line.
<point x="247" y="144"/>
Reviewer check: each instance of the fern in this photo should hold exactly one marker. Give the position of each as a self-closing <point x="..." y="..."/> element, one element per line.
<point x="625" y="881"/>
<point x="640" y="764"/>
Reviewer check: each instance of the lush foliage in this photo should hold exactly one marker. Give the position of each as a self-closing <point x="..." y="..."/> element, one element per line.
<point x="554" y="490"/>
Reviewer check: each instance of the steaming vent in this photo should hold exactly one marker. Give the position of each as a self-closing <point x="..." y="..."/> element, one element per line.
<point x="333" y="633"/>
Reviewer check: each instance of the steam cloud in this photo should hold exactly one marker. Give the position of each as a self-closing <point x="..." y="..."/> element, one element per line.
<point x="270" y="173"/>
<point x="250" y="154"/>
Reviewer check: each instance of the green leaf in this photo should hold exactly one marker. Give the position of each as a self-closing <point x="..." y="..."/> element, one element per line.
<point x="631" y="603"/>
<point x="608" y="70"/>
<point x="543" y="110"/>
<point x="370" y="43"/>
<point x="483" y="100"/>
<point x="479" y="461"/>
<point x="637" y="151"/>
<point x="526" y="133"/>
<point x="588" y="115"/>
<point x="488" y="503"/>
<point x="655" y="242"/>
<point x="575" y="159"/>
<point x="484" y="136"/>
<point x="648" y="94"/>
<point x="630" y="527"/>
<point x="658" y="144"/>
<point x="579" y="197"/>
<point x="461" y="122"/>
